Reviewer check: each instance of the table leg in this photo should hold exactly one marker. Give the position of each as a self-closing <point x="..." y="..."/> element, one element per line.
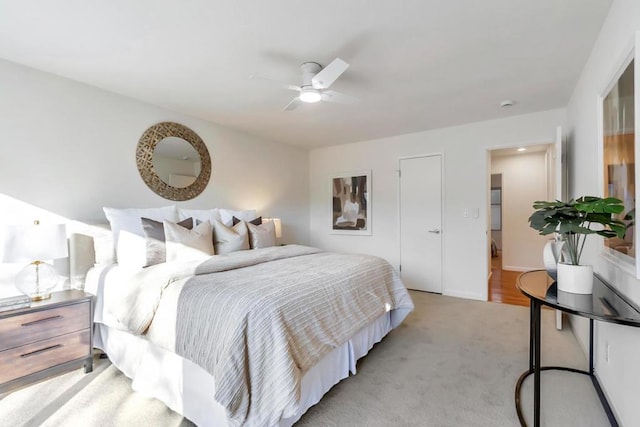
<point x="536" y="364"/>
<point x="531" y="334"/>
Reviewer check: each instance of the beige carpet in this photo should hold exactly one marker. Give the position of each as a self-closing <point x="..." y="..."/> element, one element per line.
<point x="453" y="362"/>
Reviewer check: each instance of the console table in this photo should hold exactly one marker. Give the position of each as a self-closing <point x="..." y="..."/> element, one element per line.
<point x="604" y="304"/>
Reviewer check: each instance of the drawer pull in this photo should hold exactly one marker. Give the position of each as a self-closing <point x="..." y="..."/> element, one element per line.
<point x="42" y="350"/>
<point x="46" y="319"/>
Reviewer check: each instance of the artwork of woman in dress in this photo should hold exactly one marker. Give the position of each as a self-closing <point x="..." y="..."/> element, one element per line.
<point x="350" y="203"/>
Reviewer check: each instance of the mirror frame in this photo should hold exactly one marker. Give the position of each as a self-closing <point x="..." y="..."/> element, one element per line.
<point x="625" y="262"/>
<point x="144" y="160"/>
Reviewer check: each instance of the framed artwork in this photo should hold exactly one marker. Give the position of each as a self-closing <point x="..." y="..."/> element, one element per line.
<point x="618" y="105"/>
<point x="351" y="203"/>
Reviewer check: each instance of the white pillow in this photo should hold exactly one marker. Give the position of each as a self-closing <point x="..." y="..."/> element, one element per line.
<point x="188" y="245"/>
<point x="226" y="216"/>
<point x="132" y="250"/>
<point x="230" y="239"/>
<point x="262" y="236"/>
<point x="199" y="215"/>
<point x="103" y="246"/>
<point x="130" y="219"/>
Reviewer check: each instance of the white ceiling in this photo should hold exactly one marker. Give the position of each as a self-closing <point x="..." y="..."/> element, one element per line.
<point x="513" y="151"/>
<point x="415" y="64"/>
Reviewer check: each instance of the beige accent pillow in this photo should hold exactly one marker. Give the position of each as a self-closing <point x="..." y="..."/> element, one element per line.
<point x="188" y="245"/>
<point x="262" y="236"/>
<point x="156" y="247"/>
<point x="230" y="239"/>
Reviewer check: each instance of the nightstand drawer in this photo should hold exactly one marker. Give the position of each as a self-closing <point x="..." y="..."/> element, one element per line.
<point x="35" y="326"/>
<point x="30" y="358"/>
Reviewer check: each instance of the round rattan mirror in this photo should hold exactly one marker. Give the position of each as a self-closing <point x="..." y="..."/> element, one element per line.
<point x="160" y="180"/>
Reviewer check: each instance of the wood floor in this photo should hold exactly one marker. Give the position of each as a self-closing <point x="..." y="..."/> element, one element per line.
<point x="502" y="284"/>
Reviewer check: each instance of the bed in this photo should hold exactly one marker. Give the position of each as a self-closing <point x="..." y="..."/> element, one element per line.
<point x="253" y="337"/>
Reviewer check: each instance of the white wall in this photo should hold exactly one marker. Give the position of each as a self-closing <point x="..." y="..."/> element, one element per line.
<point x="68" y="149"/>
<point x="466" y="181"/>
<point x="524" y="180"/>
<point x="619" y="377"/>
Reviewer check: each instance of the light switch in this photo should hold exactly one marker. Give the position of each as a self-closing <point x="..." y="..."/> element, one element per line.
<point x="476" y="213"/>
<point x="465" y="213"/>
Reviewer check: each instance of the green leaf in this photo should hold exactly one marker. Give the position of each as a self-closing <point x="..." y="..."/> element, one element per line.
<point x="577" y="217"/>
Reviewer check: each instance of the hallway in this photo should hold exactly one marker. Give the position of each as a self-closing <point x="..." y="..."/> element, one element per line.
<point x="502" y="284"/>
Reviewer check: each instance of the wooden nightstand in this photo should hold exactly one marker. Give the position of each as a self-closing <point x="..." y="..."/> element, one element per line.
<point x="48" y="338"/>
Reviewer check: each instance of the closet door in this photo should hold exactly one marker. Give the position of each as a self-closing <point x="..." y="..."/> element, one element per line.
<point x="421" y="222"/>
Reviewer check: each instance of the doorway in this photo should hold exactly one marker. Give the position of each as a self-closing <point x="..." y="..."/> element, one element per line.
<point x="420" y="214"/>
<point x="518" y="177"/>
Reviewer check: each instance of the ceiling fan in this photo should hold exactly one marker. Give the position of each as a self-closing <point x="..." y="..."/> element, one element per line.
<point x="316" y="81"/>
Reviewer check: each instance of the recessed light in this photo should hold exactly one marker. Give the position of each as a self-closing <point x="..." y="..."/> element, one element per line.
<point x="522" y="149"/>
<point x="507" y="103"/>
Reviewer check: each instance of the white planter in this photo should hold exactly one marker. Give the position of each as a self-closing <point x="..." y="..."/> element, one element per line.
<point x="577" y="279"/>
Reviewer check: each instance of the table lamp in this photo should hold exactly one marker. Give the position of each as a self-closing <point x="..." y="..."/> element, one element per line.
<point x="34" y="243"/>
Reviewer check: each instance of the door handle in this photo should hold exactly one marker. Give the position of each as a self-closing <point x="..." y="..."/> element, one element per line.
<point x="435" y="231"/>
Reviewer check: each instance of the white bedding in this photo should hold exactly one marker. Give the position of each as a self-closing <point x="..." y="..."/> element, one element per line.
<point x="183" y="385"/>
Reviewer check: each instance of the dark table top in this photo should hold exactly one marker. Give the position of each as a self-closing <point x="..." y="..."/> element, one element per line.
<point x="604" y="304"/>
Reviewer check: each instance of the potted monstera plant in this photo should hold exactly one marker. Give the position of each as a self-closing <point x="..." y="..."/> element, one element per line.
<point x="574" y="221"/>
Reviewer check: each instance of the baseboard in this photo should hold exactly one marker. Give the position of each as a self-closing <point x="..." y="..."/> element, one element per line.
<point x="465" y="295"/>
<point x="512" y="268"/>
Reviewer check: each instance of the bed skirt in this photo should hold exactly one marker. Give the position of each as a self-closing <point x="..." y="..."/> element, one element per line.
<point x="188" y="389"/>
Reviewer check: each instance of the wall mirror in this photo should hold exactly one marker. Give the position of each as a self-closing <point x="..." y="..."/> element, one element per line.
<point x="176" y="162"/>
<point x="173" y="161"/>
<point x="618" y="136"/>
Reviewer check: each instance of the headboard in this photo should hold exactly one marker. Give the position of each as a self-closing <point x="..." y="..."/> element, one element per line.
<point x="82" y="257"/>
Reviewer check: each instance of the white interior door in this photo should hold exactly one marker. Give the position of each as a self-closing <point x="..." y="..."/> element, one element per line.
<point x="421" y="223"/>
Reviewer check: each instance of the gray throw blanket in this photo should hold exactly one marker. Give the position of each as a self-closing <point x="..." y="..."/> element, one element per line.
<point x="259" y="329"/>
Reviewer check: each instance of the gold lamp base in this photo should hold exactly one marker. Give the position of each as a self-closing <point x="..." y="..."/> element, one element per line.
<point x="40" y="297"/>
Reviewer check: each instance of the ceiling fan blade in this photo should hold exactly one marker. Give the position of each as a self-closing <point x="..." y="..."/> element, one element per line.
<point x="295" y="103"/>
<point x="339" y="98"/>
<point x="329" y="74"/>
<point x="279" y="83"/>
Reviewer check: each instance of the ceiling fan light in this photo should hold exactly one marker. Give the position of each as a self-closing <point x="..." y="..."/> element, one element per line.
<point x="310" y="96"/>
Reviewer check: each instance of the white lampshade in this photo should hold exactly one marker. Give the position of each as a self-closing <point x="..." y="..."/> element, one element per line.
<point x="35" y="242"/>
<point x="277" y="224"/>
